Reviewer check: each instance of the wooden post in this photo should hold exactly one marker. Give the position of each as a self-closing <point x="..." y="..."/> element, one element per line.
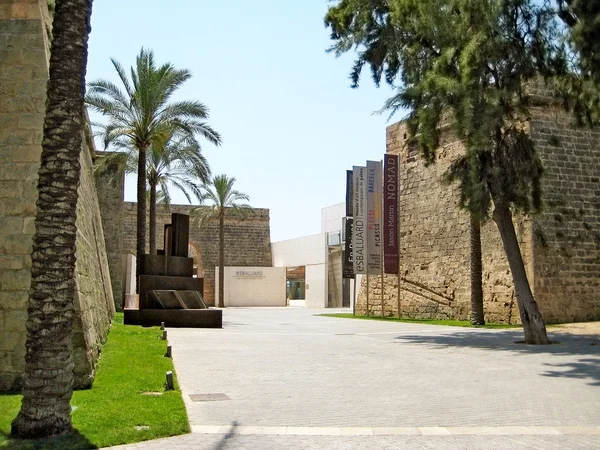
<point x="164" y="336"/>
<point x="169" y="353"/>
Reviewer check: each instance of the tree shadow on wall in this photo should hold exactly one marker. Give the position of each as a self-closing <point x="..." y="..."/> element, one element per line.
<point x="585" y="349"/>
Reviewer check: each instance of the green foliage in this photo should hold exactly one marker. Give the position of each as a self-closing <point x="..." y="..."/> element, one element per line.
<point x="464" y="64"/>
<point x="222" y="198"/>
<point x="176" y="159"/>
<point x="143" y="112"/>
<point x="132" y="362"/>
<point x="579" y="88"/>
<point x="51" y="7"/>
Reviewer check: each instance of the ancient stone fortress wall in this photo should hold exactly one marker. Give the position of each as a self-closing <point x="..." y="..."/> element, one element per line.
<point x="23" y="75"/>
<point x="247" y="240"/>
<point x="560" y="246"/>
<point x="567" y="232"/>
<point x="110" y="187"/>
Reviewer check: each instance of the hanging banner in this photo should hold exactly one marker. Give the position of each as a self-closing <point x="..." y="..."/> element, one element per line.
<point x="374" y="217"/>
<point x="359" y="209"/>
<point x="348" y="268"/>
<point x="349" y="197"/>
<point x="390" y="213"/>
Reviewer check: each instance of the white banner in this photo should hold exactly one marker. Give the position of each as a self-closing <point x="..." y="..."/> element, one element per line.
<point x="374" y="197"/>
<point x="359" y="191"/>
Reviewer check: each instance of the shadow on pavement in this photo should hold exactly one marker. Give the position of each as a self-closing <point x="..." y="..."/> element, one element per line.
<point x="586" y="349"/>
<point x="230" y="434"/>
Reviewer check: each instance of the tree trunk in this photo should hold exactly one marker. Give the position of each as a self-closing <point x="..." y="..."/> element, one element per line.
<point x="141" y="212"/>
<point x="477" y="317"/>
<point x="152" y="219"/>
<point x="221" y="303"/>
<point x="531" y="318"/>
<point x="48" y="376"/>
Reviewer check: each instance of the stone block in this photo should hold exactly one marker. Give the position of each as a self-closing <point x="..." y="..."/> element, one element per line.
<point x="15" y="280"/>
<point x="14" y="320"/>
<point x="12" y="341"/>
<point x="12" y="262"/>
<point x="19" y="244"/>
<point x="20" y="207"/>
<point x="29" y="226"/>
<point x="10" y="225"/>
<point x="29" y="153"/>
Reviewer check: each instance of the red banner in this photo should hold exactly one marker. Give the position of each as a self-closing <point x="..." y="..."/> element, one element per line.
<point x="391" y="246"/>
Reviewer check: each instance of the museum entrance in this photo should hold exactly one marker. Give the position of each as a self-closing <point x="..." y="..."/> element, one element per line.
<point x="296" y="285"/>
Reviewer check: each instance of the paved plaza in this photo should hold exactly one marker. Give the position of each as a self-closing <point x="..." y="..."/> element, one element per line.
<point x="294" y="380"/>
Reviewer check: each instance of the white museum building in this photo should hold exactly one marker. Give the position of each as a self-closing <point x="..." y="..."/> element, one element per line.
<point x="314" y="264"/>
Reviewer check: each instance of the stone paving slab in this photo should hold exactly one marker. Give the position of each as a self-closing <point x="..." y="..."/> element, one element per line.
<point x="297" y="380"/>
<point x="287" y="367"/>
<point x="277" y="442"/>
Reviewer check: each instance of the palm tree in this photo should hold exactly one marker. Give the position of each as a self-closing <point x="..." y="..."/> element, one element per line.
<point x="143" y="114"/>
<point x="224" y="200"/>
<point x="178" y="161"/>
<point x="48" y="376"/>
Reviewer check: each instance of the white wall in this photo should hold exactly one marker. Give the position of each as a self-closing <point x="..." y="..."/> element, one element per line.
<point x="331" y="217"/>
<point x="253" y="286"/>
<point x="301" y="251"/>
<point x="316" y="285"/>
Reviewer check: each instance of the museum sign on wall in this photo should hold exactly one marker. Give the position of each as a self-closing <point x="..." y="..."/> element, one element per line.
<point x="253" y="286"/>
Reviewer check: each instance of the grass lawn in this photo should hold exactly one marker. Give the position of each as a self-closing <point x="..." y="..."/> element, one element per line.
<point x="132" y="363"/>
<point x="451" y="323"/>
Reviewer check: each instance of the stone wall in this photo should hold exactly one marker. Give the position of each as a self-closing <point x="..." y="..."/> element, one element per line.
<point x="560" y="245"/>
<point x="110" y="187"/>
<point x="94" y="302"/>
<point x="23" y="75"/>
<point x="247" y="241"/>
<point x="434" y="246"/>
<point x="567" y="244"/>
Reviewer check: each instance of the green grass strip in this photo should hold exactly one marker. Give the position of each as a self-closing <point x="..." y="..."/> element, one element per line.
<point x="132" y="363"/>
<point x="449" y="322"/>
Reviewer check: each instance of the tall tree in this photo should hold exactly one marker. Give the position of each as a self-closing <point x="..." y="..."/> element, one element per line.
<point x="144" y="114"/>
<point x="48" y="376"/>
<point x="580" y="89"/>
<point x="176" y="161"/>
<point x="466" y="64"/>
<point x="223" y="200"/>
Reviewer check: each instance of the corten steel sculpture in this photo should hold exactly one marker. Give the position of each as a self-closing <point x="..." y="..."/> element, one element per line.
<point x="168" y="292"/>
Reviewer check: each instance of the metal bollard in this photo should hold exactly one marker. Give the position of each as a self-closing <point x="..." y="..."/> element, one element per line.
<point x="170" y="385"/>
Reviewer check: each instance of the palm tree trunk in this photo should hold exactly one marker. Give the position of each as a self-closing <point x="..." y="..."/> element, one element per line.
<point x="152" y="218"/>
<point x="221" y="303"/>
<point x="477" y="317"/>
<point x="48" y="376"/>
<point x="531" y="318"/>
<point x="141" y="211"/>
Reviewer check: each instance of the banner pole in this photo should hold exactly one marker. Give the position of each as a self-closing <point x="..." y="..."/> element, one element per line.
<point x="381" y="240"/>
<point x="367" y="310"/>
<point x="367" y="246"/>
<point x="354" y="296"/>
<point x="398" y="226"/>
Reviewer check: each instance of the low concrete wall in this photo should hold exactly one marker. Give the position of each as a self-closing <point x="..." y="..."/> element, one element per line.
<point x="253" y="286"/>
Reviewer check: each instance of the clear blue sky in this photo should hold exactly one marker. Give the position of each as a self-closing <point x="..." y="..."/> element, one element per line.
<point x="290" y="123"/>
